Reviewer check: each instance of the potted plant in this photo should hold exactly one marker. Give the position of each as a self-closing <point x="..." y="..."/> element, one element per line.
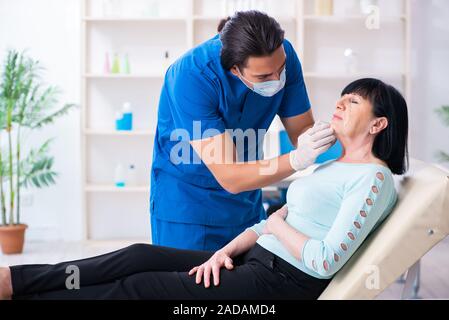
<point x="443" y="112"/>
<point x="26" y="105"/>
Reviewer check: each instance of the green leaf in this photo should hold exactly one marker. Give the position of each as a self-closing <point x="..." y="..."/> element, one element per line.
<point x="443" y="112"/>
<point x="37" y="168"/>
<point x="443" y="157"/>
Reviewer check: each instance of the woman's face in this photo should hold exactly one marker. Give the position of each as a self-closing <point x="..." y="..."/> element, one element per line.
<point x="354" y="118"/>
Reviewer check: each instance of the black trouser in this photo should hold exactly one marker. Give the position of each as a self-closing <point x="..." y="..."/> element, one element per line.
<point x="143" y="271"/>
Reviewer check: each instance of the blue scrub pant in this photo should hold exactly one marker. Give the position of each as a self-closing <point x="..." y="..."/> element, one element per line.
<point x="194" y="236"/>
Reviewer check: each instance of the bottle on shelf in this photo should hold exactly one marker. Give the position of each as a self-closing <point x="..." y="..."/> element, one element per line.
<point x="119" y="176"/>
<point x="367" y="6"/>
<point x="324" y="7"/>
<point x="115" y="64"/>
<point x="107" y="65"/>
<point x="124" y="118"/>
<point x="127" y="116"/>
<point x="350" y="61"/>
<point x="118" y="119"/>
<point x="126" y="67"/>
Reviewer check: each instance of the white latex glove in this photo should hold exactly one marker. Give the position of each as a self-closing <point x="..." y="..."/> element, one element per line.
<point x="311" y="144"/>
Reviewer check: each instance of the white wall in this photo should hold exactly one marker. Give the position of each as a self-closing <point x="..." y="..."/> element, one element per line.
<point x="50" y="30"/>
<point x="430" y="87"/>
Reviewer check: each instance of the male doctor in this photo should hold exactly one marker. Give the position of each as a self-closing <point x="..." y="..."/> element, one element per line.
<point x="205" y="187"/>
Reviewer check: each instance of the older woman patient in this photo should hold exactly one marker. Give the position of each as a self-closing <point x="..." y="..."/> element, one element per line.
<point x="292" y="255"/>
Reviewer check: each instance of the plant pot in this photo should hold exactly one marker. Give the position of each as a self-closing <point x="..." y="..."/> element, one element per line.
<point x="12" y="238"/>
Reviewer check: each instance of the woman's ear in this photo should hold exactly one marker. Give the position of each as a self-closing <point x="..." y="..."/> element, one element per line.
<point x="378" y="125"/>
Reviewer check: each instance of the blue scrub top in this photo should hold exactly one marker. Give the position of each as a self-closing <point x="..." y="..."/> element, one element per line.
<point x="197" y="88"/>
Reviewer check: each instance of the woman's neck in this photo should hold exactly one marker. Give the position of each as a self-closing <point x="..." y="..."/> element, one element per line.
<point x="358" y="151"/>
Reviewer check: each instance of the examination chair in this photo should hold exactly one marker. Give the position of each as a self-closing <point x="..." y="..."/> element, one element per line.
<point x="418" y="222"/>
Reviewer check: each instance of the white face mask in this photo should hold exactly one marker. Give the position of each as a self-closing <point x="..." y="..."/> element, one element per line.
<point x="268" y="88"/>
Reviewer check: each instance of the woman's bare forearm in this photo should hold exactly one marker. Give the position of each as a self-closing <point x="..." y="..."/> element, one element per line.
<point x="242" y="243"/>
<point x="291" y="238"/>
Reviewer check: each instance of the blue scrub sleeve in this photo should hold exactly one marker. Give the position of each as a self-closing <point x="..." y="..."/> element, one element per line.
<point x="295" y="100"/>
<point x="363" y="205"/>
<point x="194" y="99"/>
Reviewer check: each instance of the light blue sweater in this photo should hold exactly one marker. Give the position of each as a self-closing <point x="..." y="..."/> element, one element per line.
<point x="337" y="207"/>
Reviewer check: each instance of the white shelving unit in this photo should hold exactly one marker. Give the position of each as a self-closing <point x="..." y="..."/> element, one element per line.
<point x="146" y="29"/>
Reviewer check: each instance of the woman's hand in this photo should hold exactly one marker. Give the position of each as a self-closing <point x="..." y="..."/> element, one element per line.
<point x="219" y="260"/>
<point x="275" y="218"/>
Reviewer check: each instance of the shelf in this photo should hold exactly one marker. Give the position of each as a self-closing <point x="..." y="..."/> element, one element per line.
<point x="338" y="76"/>
<point x="185" y="29"/>
<point x="124" y="76"/>
<point x="111" y="188"/>
<point x="134" y="19"/>
<point x="218" y="18"/>
<point x="345" y="18"/>
<point x="114" y="133"/>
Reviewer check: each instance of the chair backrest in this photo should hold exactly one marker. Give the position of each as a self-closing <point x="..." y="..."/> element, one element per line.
<point x="418" y="222"/>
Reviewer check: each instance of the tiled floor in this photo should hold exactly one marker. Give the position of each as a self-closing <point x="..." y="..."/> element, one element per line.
<point x="434" y="267"/>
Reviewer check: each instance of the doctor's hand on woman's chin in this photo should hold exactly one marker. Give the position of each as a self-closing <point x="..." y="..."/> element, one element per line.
<point x="274" y="219"/>
<point x="311" y="144"/>
<point x="219" y="260"/>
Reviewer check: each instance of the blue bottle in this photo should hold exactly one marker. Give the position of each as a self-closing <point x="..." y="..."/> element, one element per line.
<point x="124" y="119"/>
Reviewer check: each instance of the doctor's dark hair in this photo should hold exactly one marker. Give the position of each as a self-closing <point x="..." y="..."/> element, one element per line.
<point x="390" y="145"/>
<point x="248" y="34"/>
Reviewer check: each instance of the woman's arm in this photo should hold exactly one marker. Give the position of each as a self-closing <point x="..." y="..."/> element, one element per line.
<point x="242" y="243"/>
<point x="291" y="238"/>
<point x="364" y="204"/>
<point x="223" y="258"/>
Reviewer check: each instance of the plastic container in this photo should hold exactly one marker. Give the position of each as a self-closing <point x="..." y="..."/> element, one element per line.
<point x="124" y="118"/>
<point x="127" y="116"/>
<point x="324" y="7"/>
<point x="107" y="64"/>
<point x="115" y="64"/>
<point x="366" y="6"/>
<point x="119" y="176"/>
<point x="126" y="68"/>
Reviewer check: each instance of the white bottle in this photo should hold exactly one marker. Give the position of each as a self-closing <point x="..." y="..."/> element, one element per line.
<point x="126" y="108"/>
<point x="350" y="61"/>
<point x="127" y="117"/>
<point x="367" y="6"/>
<point x="132" y="175"/>
<point x="119" y="176"/>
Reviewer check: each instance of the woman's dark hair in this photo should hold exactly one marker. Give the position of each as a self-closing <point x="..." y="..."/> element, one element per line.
<point x="390" y="145"/>
<point x="246" y="34"/>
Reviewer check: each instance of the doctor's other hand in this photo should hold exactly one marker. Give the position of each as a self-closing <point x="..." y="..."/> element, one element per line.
<point x="275" y="218"/>
<point x="219" y="260"/>
<point x="311" y="144"/>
